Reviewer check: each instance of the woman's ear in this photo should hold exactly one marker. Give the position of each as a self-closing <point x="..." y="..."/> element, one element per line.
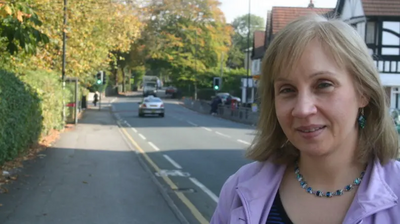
<point x="363" y="101"/>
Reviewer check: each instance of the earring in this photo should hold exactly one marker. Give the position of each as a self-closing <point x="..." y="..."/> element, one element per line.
<point x="361" y="119"/>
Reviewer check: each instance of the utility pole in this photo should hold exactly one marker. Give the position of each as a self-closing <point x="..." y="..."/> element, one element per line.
<point x="248" y="53"/>
<point x="195" y="65"/>
<point x="63" y="58"/>
<point x="222" y="63"/>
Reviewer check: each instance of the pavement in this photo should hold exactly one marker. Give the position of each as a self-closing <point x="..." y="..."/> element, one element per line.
<point x="92" y="175"/>
<point x="190" y="154"/>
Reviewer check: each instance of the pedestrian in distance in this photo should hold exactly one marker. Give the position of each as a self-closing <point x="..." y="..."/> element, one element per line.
<point x="326" y="148"/>
<point x="214" y="105"/>
<point x="96" y="98"/>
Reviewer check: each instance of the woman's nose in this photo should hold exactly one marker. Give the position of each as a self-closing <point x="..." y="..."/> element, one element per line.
<point x="304" y="106"/>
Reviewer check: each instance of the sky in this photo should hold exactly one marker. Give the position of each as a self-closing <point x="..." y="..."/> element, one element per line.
<point x="235" y="8"/>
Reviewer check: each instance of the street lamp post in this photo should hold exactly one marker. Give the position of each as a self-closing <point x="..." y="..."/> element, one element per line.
<point x="195" y="67"/>
<point x="63" y="57"/>
<point x="248" y="53"/>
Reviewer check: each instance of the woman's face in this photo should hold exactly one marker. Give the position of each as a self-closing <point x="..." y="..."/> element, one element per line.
<point x="317" y="104"/>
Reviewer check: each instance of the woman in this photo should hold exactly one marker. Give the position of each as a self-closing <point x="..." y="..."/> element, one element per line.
<point x="326" y="147"/>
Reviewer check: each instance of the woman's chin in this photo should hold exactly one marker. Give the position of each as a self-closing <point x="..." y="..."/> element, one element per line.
<point x="314" y="150"/>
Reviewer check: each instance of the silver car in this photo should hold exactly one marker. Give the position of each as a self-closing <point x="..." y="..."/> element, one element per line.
<point x="151" y="105"/>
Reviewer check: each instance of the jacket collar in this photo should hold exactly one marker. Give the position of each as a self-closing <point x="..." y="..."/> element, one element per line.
<point x="374" y="194"/>
<point x="258" y="192"/>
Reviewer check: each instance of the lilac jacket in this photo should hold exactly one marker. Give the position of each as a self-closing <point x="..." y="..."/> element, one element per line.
<point x="247" y="196"/>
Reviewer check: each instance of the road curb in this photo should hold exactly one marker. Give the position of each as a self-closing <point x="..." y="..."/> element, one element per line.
<point x="217" y="116"/>
<point x="182" y="219"/>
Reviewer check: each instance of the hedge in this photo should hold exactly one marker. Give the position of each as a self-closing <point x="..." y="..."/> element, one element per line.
<point x="49" y="89"/>
<point x="20" y="116"/>
<point x="30" y="107"/>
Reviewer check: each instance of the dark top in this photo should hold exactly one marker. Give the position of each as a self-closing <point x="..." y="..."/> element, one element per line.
<point x="277" y="214"/>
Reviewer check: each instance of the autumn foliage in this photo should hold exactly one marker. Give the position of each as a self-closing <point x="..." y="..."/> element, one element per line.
<point x="31" y="40"/>
<point x="94" y="29"/>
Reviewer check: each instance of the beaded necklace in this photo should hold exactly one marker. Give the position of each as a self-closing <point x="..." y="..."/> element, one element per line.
<point x="327" y="194"/>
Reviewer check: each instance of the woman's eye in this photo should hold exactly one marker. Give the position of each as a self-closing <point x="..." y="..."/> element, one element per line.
<point x="324" y="85"/>
<point x="285" y="90"/>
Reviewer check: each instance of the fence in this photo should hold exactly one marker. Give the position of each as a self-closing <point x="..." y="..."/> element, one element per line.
<point x="239" y="114"/>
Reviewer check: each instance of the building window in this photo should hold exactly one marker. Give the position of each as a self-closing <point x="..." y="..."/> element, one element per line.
<point x="391" y="38"/>
<point x="370" y="33"/>
<point x="256" y="67"/>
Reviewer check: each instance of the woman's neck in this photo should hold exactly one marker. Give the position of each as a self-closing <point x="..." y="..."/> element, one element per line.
<point x="330" y="172"/>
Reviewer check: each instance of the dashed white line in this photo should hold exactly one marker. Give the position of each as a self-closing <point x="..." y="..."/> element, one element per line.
<point x="244" y="142"/>
<point x="222" y="134"/>
<point x="192" y="123"/>
<point x="142" y="136"/>
<point x="206" y="129"/>
<point x="134" y="130"/>
<point x="154" y="146"/>
<point x="176" y="165"/>
<point x="205" y="189"/>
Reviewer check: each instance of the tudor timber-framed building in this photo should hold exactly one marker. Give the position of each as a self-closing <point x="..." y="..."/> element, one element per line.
<point x="378" y="22"/>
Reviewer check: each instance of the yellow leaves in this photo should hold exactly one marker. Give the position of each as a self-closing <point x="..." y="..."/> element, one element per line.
<point x="19" y="15"/>
<point x="8" y="10"/>
<point x="93" y="31"/>
<point x="5" y="10"/>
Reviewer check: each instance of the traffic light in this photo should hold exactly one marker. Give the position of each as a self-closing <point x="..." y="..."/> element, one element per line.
<point x="217" y="83"/>
<point x="99" y="78"/>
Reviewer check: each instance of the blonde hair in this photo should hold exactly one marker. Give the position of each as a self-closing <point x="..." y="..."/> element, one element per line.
<point x="379" y="137"/>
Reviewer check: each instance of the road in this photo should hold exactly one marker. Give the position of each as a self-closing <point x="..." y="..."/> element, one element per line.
<point x="191" y="152"/>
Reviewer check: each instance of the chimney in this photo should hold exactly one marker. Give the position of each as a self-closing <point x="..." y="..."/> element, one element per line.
<point x="311" y="5"/>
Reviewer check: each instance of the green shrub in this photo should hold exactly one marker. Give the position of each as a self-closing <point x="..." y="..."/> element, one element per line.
<point x="49" y="89"/>
<point x="20" y="116"/>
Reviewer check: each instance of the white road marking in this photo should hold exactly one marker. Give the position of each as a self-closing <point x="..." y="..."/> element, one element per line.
<point x="154" y="146"/>
<point x="222" y="134"/>
<point x="192" y="123"/>
<point x="244" y="142"/>
<point x="205" y="189"/>
<point x="112" y="101"/>
<point x="174" y="173"/>
<point x="206" y="129"/>
<point x="144" y="138"/>
<point x="175" y="164"/>
<point x="134" y="130"/>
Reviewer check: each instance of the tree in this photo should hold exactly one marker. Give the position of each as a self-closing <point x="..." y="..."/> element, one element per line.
<point x="18" y="22"/>
<point x="240" y="37"/>
<point x="95" y="29"/>
<point x="241" y="27"/>
<point x="185" y="38"/>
